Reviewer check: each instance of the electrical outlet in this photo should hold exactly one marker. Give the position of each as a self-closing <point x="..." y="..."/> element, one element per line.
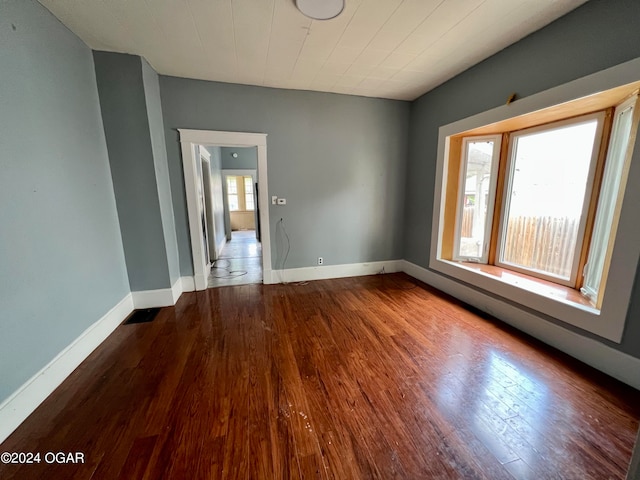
<point x="320" y="261"/>
<point x="282" y="201"/>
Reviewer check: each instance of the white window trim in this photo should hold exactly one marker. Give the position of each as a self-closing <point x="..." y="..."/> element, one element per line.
<point x="609" y="321"/>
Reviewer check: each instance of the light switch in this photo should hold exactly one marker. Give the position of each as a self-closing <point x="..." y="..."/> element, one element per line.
<point x="282" y="201"/>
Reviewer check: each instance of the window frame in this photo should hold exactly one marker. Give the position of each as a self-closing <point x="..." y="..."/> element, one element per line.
<point x="577" y="96"/>
<point x="600" y="117"/>
<point x="249" y="193"/>
<point x="236" y="194"/>
<point x="605" y="239"/>
<point x="239" y="177"/>
<point x="495" y="164"/>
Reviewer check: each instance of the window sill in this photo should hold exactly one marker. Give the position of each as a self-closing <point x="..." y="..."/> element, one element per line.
<point x="537" y="286"/>
<point x="547" y="298"/>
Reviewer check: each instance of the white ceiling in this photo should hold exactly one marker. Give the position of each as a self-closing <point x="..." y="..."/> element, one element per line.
<point x="396" y="49"/>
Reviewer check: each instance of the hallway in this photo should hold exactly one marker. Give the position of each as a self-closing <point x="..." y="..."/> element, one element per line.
<point x="240" y="261"/>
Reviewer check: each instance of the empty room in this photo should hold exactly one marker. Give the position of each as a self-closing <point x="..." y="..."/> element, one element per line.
<point x="333" y="239"/>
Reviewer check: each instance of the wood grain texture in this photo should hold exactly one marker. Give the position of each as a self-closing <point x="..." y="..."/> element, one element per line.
<point x="574" y="108"/>
<point x="370" y="377"/>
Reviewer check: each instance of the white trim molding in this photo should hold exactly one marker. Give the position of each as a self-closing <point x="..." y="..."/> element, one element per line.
<point x="153" y="298"/>
<point x="189" y="139"/>
<point x="325" y="272"/>
<point x="15" y="409"/>
<point x="163" y="297"/>
<point x="176" y="291"/>
<point x="188" y="284"/>
<point x="619" y="365"/>
<point x="220" y="246"/>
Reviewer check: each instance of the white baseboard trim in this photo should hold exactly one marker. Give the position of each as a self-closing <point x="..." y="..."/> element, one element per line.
<point x="268" y="277"/>
<point x="332" y="271"/>
<point x="220" y="246"/>
<point x="619" y="365"/>
<point x="176" y="290"/>
<point x="162" y="297"/>
<point x="15" y="409"/>
<point x="188" y="284"/>
<point x="201" y="282"/>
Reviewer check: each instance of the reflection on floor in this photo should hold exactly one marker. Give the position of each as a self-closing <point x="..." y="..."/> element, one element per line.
<point x="240" y="261"/>
<point x="378" y="377"/>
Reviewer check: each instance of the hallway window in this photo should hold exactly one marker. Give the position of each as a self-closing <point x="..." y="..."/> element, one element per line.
<point x="248" y="193"/>
<point x="232" y="194"/>
<point x="240" y="193"/>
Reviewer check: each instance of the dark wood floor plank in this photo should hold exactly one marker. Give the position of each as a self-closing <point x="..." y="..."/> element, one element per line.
<point x="372" y="377"/>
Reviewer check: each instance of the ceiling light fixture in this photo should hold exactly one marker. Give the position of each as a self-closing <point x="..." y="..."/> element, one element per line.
<point x="320" y="9"/>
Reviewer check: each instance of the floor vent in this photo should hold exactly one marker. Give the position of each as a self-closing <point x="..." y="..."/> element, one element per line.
<point x="144" y="315"/>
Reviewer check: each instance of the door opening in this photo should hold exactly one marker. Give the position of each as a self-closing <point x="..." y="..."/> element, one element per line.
<point x="208" y="253"/>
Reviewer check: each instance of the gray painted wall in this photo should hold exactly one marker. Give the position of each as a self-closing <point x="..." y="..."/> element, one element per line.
<point x="217" y="193"/>
<point x="247" y="158"/>
<point x="595" y="36"/>
<point x="62" y="264"/>
<point x="158" y="147"/>
<point x="338" y="159"/>
<point x="126" y="126"/>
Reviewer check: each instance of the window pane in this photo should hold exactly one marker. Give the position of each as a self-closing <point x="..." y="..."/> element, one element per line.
<point x="248" y="193"/>
<point x="545" y="199"/>
<point x="476" y="203"/>
<point x="232" y="186"/>
<point x="609" y="193"/>
<point x="233" y="202"/>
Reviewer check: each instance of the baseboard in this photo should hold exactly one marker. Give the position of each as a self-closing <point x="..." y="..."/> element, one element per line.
<point x="188" y="284"/>
<point x="619" y="365"/>
<point x="176" y="290"/>
<point x="268" y="277"/>
<point x="15" y="409"/>
<point x="201" y="282"/>
<point x="220" y="246"/>
<point x="162" y="297"/>
<point x="333" y="271"/>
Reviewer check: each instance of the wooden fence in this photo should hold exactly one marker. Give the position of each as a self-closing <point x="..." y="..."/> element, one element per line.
<point x="540" y="243"/>
<point x="467" y="221"/>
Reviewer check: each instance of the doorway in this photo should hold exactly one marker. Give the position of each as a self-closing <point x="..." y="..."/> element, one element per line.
<point x="257" y="253"/>
<point x="240" y="261"/>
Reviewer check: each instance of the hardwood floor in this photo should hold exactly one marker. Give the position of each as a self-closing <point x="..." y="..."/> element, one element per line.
<point x="372" y="377"/>
<point x="240" y="261"/>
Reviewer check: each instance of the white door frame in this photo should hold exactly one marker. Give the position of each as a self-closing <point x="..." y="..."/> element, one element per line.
<point x="210" y="227"/>
<point x="189" y="139"/>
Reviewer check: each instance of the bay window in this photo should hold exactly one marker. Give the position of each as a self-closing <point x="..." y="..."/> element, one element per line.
<point x="528" y="207"/>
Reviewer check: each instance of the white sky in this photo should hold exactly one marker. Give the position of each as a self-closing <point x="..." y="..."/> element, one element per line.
<point x="551" y="171"/>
